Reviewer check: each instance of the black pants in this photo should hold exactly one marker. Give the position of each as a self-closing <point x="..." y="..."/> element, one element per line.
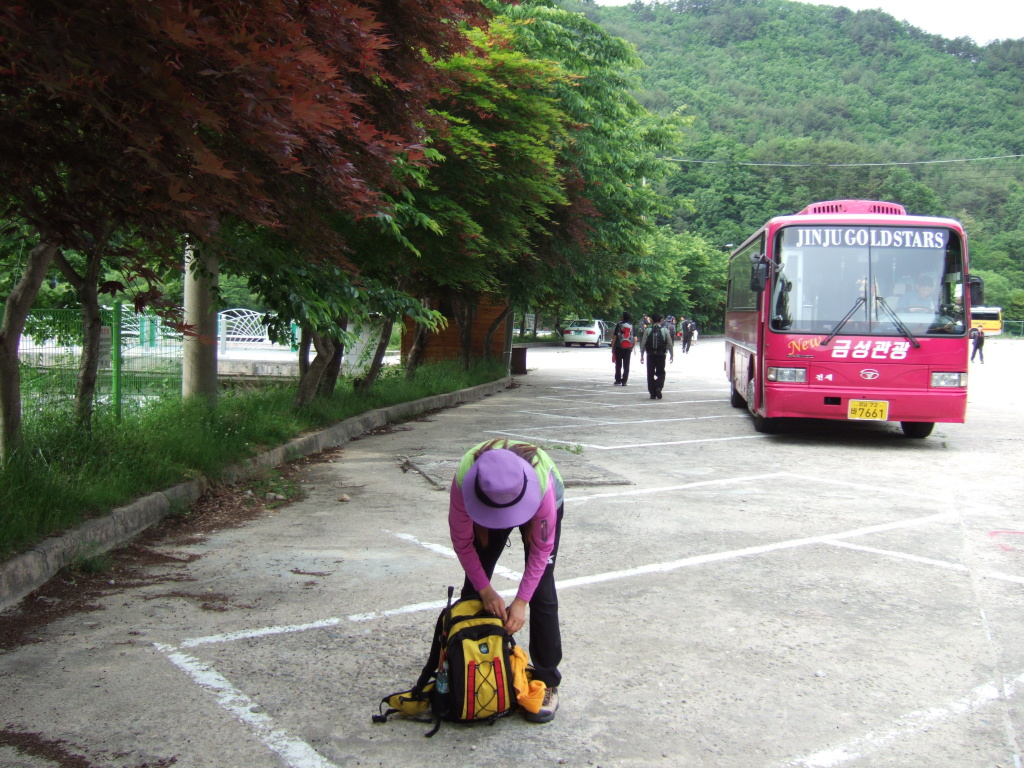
<point x="686" y="342"/>
<point x="545" y="633"/>
<point x="622" y="365"/>
<point x="655" y="373"/>
<point x="978" y="350"/>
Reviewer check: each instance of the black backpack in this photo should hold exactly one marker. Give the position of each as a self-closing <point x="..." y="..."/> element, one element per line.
<point x="655" y="344"/>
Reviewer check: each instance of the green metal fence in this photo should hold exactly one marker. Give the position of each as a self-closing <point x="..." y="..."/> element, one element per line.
<point x="1014" y="328"/>
<point x="140" y="358"/>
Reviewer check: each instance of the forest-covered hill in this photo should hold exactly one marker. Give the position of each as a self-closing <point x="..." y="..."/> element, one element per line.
<point x="793" y="103"/>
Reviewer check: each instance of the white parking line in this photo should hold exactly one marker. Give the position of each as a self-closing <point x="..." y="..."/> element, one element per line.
<point x="627" y="445"/>
<point x="900" y="555"/>
<point x="762" y="549"/>
<point x="910" y="723"/>
<point x="861" y="487"/>
<point x="294" y="752"/>
<point x="593" y="422"/>
<point x="925" y="561"/>
<point x="448" y="552"/>
<point x="581" y="581"/>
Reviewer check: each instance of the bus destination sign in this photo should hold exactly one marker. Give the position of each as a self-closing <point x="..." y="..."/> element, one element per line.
<point x="875" y="237"/>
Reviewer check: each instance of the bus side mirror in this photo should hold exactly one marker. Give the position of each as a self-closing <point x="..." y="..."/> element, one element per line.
<point x="758" y="277"/>
<point x="977" y="288"/>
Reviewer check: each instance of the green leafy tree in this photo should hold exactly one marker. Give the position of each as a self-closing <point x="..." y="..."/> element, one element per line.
<point x="613" y="160"/>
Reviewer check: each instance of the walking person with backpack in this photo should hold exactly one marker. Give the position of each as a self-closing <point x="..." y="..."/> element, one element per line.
<point x="655" y="345"/>
<point x="500" y="485"/>
<point x="977" y="344"/>
<point x="623" y="338"/>
<point x="687" y="328"/>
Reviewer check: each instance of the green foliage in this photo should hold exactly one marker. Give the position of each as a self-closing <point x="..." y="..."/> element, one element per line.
<point x="612" y="160"/>
<point x="794" y="103"/>
<point x="683" y="277"/>
<point x="64" y="474"/>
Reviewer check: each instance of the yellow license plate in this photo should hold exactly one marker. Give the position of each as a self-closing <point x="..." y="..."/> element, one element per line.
<point x="868" y="410"/>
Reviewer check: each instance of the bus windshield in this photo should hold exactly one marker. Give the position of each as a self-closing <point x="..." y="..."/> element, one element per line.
<point x="868" y="280"/>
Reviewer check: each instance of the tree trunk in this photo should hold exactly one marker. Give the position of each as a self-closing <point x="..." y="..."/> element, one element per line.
<point x="16" y="310"/>
<point x="199" y="348"/>
<point x="463" y="311"/>
<point x="305" y="342"/>
<point x="88" y="296"/>
<point x="364" y="385"/>
<point x="420" y="337"/>
<point x="309" y="384"/>
<point x="330" y="378"/>
<point x="489" y="338"/>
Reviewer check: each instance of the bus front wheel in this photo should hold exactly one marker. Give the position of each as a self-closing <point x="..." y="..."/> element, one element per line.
<point x="917" y="429"/>
<point x="761" y="424"/>
<point x="735" y="398"/>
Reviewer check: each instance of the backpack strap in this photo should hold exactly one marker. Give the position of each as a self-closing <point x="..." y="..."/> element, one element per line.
<point x="433" y="665"/>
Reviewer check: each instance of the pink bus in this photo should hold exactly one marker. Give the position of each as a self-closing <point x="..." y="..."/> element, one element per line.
<point x="851" y="310"/>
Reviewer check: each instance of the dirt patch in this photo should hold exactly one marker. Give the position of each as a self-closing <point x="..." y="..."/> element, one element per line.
<point x="145" y="562"/>
<point x="56" y="751"/>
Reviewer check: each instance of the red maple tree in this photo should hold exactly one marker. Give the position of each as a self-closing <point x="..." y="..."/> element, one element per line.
<point x="165" y="117"/>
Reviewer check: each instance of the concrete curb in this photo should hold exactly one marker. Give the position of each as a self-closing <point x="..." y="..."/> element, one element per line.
<point x="29" y="571"/>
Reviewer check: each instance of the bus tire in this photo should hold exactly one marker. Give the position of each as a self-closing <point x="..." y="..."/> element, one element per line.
<point x="735" y="398"/>
<point x="917" y="429"/>
<point x="761" y="424"/>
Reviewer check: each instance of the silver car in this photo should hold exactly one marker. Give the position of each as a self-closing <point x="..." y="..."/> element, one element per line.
<point x="583" y="332"/>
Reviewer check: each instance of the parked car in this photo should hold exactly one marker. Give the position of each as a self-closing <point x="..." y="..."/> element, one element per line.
<point x="595" y="332"/>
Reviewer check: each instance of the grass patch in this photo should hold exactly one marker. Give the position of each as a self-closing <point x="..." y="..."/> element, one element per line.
<point x="64" y="475"/>
<point x="89" y="562"/>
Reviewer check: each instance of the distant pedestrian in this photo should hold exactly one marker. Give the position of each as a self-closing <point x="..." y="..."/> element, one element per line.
<point x="645" y="323"/>
<point x="656" y="343"/>
<point x="623" y="340"/>
<point x="670" y="325"/>
<point x="686" y="327"/>
<point x="978" y="344"/>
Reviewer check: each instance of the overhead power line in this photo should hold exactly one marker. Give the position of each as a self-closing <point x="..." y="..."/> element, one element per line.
<point x="838" y="165"/>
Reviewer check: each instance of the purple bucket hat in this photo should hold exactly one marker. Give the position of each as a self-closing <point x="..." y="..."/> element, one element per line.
<point x="501" y="490"/>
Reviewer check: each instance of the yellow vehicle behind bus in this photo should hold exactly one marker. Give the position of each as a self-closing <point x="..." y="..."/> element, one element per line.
<point x="989" y="319"/>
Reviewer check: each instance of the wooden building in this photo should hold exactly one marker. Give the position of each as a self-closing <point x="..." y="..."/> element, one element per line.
<point x="446" y="345"/>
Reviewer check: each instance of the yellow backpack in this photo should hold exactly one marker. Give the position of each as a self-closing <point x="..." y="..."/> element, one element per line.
<point x="475" y="672"/>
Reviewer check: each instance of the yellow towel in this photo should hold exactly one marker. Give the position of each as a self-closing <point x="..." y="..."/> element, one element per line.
<point x="529" y="693"/>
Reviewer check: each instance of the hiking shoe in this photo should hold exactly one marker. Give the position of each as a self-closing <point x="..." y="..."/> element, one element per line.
<point x="547" y="709"/>
<point x="659" y="395"/>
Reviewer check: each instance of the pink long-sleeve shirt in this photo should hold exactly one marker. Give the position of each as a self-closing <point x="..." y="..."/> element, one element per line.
<point x="542" y="541"/>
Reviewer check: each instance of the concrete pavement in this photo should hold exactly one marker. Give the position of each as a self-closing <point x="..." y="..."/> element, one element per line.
<point x="835" y="595"/>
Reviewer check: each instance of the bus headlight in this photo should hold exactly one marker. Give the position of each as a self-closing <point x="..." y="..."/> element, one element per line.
<point x="788" y="375"/>
<point x="949" y="379"/>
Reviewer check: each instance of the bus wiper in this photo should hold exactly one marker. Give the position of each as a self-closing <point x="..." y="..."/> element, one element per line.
<point x="839" y="326"/>
<point x="900" y="325"/>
